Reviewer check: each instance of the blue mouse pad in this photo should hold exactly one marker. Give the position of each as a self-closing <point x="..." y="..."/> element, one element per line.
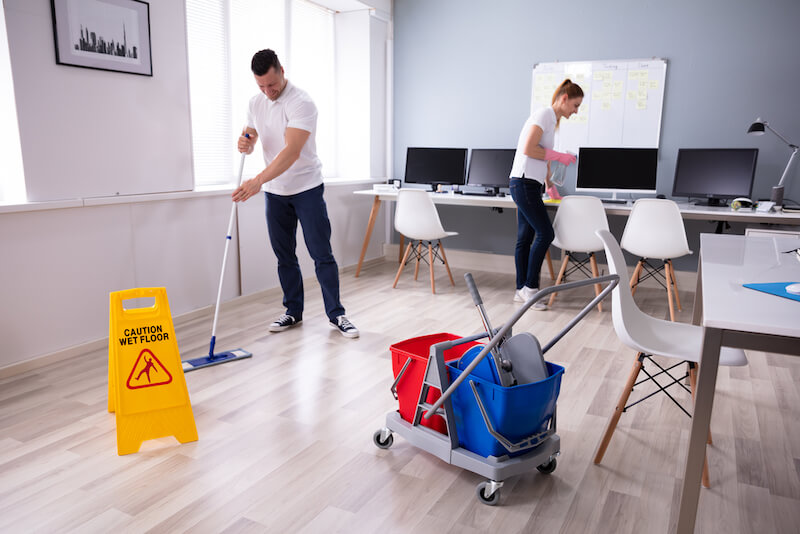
<point x="775" y="288"/>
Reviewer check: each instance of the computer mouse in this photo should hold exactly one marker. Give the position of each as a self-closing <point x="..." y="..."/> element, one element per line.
<point x="794" y="289"/>
<point x="501" y="194"/>
<point x="660" y="196"/>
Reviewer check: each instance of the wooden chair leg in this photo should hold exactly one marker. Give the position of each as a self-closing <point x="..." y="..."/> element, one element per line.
<point x="400" y="249"/>
<point x="549" y="264"/>
<point x="446" y="265"/>
<point x="561" y="271"/>
<point x="418" y="253"/>
<point x="635" y="278"/>
<point x="596" y="273"/>
<point x="623" y="400"/>
<point x="402" y="264"/>
<point x="675" y="284"/>
<point x="706" y="481"/>
<point x="430" y="262"/>
<point x="668" y="279"/>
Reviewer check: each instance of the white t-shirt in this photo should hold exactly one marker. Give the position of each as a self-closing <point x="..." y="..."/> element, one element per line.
<point x="535" y="169"/>
<point x="293" y="109"/>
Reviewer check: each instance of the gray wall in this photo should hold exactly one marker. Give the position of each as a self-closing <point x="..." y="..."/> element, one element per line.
<point x="462" y="77"/>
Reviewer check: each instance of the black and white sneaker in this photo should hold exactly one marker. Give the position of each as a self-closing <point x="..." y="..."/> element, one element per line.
<point x="283" y="322"/>
<point x="344" y="326"/>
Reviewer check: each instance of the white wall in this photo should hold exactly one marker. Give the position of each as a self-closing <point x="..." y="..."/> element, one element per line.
<point x="58" y="265"/>
<point x="131" y="134"/>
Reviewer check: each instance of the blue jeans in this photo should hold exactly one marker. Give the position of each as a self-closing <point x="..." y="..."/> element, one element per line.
<point x="534" y="231"/>
<point x="283" y="213"/>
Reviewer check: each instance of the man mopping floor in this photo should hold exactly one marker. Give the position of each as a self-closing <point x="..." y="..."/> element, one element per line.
<point x="284" y="117"/>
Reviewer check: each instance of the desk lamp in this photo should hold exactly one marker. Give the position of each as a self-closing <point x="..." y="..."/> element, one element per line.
<point x="758" y="128"/>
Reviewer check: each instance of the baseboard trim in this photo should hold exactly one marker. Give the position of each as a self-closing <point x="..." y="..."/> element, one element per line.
<point x="38" y="362"/>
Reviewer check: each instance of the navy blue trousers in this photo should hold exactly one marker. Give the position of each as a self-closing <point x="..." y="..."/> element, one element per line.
<point x="534" y="231"/>
<point x="283" y="214"/>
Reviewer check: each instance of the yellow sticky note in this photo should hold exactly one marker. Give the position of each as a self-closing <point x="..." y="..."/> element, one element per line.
<point x="606" y="105"/>
<point x="641" y="104"/>
<point x="618" y="85"/>
<point x="616" y="95"/>
<point x="643" y="84"/>
<point x="642" y="94"/>
<point x="653" y="84"/>
<point x="632" y="95"/>
<point x="637" y="74"/>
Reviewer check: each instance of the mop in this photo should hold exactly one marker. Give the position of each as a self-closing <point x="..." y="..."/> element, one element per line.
<point x="231" y="355"/>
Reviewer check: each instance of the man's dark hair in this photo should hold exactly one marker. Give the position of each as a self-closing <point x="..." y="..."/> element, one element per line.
<point x="263" y="60"/>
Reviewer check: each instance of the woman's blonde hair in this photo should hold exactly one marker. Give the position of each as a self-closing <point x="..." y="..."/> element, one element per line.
<point x="572" y="90"/>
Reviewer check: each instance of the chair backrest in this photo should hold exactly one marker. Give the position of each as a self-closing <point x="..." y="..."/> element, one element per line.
<point x="416" y="217"/>
<point x="655" y="230"/>
<point x="577" y="220"/>
<point x="626" y="315"/>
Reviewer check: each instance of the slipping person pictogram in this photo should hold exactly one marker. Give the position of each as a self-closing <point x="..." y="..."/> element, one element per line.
<point x="146" y="369"/>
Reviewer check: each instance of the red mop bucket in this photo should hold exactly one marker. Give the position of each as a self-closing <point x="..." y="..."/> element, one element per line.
<point x="417" y="350"/>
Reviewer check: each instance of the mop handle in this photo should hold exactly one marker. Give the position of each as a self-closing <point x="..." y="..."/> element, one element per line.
<point x="225" y="254"/>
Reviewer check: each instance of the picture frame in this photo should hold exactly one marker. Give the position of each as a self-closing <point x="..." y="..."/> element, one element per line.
<point x="112" y="35"/>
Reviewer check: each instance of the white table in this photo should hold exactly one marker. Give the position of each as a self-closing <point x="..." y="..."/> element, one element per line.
<point x="688" y="211"/>
<point x="735" y="316"/>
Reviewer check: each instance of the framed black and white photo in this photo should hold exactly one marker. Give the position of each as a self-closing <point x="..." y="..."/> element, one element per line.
<point x="103" y="34"/>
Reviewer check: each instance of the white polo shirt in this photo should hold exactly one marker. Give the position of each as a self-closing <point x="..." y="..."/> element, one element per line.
<point x="535" y="169"/>
<point x="293" y="109"/>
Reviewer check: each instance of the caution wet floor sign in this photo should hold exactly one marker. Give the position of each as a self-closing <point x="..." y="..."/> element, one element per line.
<point x="146" y="387"/>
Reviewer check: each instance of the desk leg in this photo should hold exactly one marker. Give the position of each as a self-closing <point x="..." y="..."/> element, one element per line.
<point x="376" y="205"/>
<point x="701" y="419"/>
<point x="697" y="310"/>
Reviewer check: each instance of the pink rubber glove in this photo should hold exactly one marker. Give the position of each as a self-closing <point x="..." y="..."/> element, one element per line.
<point x="552" y="192"/>
<point x="562" y="157"/>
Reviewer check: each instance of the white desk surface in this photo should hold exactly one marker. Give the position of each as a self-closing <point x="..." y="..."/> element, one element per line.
<point x="727" y="262"/>
<point x="688" y="211"/>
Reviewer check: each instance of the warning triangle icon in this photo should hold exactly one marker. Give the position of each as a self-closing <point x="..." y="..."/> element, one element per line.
<point x="148" y="371"/>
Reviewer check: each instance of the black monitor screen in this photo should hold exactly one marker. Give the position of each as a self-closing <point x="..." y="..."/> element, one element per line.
<point x="490" y="167"/>
<point x="436" y="165"/>
<point x="614" y="169"/>
<point x="714" y="173"/>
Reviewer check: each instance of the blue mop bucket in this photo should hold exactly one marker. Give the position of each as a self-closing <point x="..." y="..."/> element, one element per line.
<point x="516" y="412"/>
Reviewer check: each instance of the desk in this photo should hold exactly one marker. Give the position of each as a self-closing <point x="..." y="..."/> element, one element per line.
<point x="734" y="316"/>
<point x="688" y="211"/>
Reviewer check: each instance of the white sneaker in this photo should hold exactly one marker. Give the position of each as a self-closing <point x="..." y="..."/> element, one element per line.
<point x="527" y="293"/>
<point x="518" y="296"/>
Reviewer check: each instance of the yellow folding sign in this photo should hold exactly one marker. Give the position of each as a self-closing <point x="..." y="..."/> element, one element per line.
<point x="146" y="386"/>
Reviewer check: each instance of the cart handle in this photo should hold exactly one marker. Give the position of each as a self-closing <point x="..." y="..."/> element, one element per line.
<point x="399" y="376"/>
<point x="612" y="280"/>
<point x="524" y="443"/>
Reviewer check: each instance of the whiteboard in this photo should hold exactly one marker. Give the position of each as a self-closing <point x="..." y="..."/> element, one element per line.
<point x="621" y="106"/>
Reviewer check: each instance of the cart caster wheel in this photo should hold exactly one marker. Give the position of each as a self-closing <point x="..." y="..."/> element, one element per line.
<point x="382" y="444"/>
<point x="548" y="468"/>
<point x="491" y="500"/>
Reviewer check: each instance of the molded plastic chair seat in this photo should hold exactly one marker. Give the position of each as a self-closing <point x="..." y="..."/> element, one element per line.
<point x="417" y="219"/>
<point x="577" y="219"/>
<point x="655" y="231"/>
<point x="650" y="336"/>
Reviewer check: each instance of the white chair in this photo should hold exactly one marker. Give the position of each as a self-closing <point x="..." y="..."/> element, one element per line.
<point x="650" y="336"/>
<point x="577" y="219"/>
<point x="655" y="231"/>
<point x="417" y="219"/>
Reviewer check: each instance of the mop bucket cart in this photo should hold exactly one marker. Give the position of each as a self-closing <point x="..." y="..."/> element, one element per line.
<point x="499" y="423"/>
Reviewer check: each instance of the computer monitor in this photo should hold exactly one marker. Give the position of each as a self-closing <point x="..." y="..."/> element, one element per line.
<point x="714" y="174"/>
<point x="490" y="167"/>
<point x="625" y="170"/>
<point x="434" y="166"/>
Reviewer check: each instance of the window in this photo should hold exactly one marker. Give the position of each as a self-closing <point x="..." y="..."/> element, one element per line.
<point x="12" y="180"/>
<point x="222" y="37"/>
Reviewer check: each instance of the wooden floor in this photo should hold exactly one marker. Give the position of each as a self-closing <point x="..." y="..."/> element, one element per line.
<point x="286" y="437"/>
